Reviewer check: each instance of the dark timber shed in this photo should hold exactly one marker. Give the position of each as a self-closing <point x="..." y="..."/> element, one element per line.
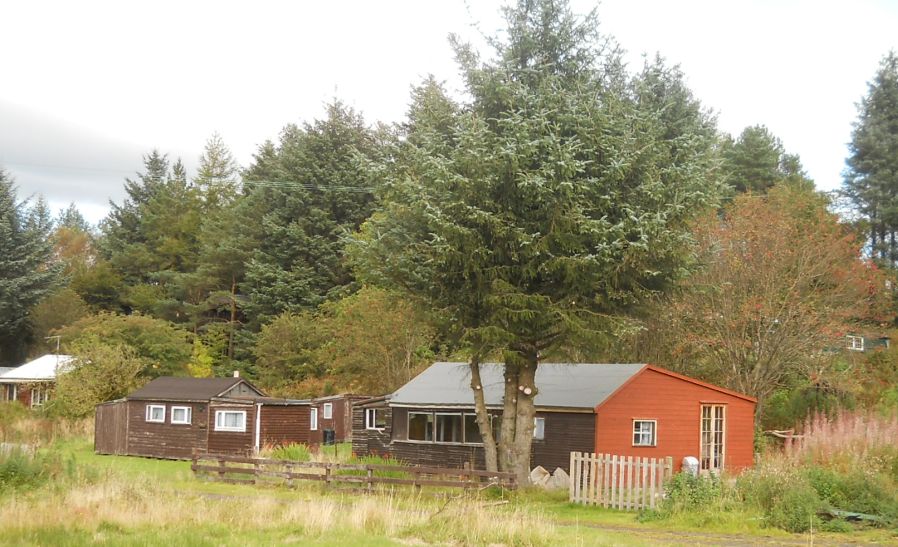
<point x="171" y="417"/>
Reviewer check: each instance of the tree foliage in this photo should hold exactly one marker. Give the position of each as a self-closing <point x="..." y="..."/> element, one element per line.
<point x="555" y="200"/>
<point x="871" y="178"/>
<point x="101" y="372"/>
<point x="164" y="349"/>
<point x="780" y="281"/>
<point x="756" y="161"/>
<point x="26" y="272"/>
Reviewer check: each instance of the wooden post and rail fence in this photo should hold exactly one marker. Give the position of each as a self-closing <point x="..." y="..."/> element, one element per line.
<point x="618" y="482"/>
<point x="243" y="470"/>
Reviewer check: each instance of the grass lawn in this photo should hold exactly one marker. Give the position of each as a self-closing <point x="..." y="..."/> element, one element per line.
<point x="117" y="500"/>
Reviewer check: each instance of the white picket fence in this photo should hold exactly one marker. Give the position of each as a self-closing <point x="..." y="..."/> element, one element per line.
<point x="619" y="482"/>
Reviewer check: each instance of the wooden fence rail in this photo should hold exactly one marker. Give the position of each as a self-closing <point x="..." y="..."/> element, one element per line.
<point x="618" y="482"/>
<point x="236" y="469"/>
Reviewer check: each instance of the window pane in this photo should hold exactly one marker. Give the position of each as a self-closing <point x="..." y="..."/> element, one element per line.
<point x="328" y="411"/>
<point x="539" y="428"/>
<point x="449" y="428"/>
<point x="179" y="415"/>
<point x="380" y="418"/>
<point x="472" y="431"/>
<point x="420" y="426"/>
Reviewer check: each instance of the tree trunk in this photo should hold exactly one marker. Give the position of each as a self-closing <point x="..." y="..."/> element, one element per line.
<point x="233" y="318"/>
<point x="509" y="411"/>
<point x="483" y="419"/>
<point x="524" y="414"/>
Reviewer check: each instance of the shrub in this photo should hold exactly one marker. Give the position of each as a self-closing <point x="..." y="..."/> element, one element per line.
<point x="685" y="491"/>
<point x="784" y="495"/>
<point x="20" y="469"/>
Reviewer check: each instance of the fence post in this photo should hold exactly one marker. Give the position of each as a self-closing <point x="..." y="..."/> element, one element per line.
<point x="290" y="475"/>
<point x="370" y="477"/>
<point x="573" y="477"/>
<point x="327" y="474"/>
<point x="222" y="464"/>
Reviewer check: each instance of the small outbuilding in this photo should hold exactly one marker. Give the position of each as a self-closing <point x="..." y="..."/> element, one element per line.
<point x="625" y="409"/>
<point x="171" y="417"/>
<point x="332" y="417"/>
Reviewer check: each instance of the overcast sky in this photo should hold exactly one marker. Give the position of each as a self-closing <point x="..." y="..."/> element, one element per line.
<point x="87" y="87"/>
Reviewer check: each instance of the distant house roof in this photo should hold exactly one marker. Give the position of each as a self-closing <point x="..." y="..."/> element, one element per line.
<point x="560" y="385"/>
<point x="42" y="369"/>
<point x="4" y="370"/>
<point x="189" y="389"/>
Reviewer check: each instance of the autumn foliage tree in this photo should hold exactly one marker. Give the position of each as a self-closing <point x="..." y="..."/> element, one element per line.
<point x="781" y="281"/>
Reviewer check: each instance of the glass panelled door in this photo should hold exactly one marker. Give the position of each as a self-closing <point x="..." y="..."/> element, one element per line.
<point x="713" y="437"/>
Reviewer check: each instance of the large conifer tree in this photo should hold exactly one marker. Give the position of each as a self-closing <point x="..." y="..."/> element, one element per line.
<point x="871" y="179"/>
<point x="26" y="274"/>
<point x="531" y="217"/>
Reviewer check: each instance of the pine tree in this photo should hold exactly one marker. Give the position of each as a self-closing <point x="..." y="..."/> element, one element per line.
<point x="756" y="161"/>
<point x="533" y="217"/>
<point x="309" y="192"/>
<point x="871" y="178"/>
<point x="26" y="274"/>
<point x="217" y="177"/>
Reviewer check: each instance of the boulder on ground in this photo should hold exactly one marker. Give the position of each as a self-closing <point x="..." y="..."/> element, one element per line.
<point x="560" y="479"/>
<point x="539" y="476"/>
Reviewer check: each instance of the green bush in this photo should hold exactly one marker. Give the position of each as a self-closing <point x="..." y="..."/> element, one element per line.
<point x="685" y="491"/>
<point x="869" y="493"/>
<point x="785" y="496"/>
<point x="20" y="470"/>
<point x="292" y="452"/>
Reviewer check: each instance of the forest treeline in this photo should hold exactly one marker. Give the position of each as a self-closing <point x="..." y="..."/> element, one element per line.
<point x="567" y="208"/>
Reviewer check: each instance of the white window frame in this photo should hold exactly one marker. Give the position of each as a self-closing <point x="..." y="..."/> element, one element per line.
<point x="313" y="419"/>
<point x="855" y="342"/>
<point x="653" y="439"/>
<point x="327" y="411"/>
<point x="188" y="414"/>
<point x="149" y="414"/>
<point x="371" y="419"/>
<point x="39" y="396"/>
<point x="219" y="424"/>
<point x="539" y="428"/>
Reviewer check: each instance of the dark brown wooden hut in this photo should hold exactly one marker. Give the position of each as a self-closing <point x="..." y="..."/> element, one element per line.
<point x="172" y="417"/>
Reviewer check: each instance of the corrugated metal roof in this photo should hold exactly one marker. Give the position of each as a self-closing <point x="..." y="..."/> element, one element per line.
<point x="192" y="389"/>
<point x="560" y="385"/>
<point x="42" y="368"/>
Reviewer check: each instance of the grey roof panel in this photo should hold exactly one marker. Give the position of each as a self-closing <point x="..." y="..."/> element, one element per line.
<point x="170" y="387"/>
<point x="560" y="385"/>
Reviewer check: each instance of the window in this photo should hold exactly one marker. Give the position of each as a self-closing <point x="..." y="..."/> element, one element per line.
<point x="39" y="396"/>
<point x="855" y="343"/>
<point x="420" y="426"/>
<point x="449" y="428"/>
<point x="328" y="411"/>
<point x="644" y="432"/>
<point x="445" y="427"/>
<point x="181" y="414"/>
<point x="472" y="430"/>
<point x="375" y="419"/>
<point x="313" y="419"/>
<point x="539" y="429"/>
<point x="230" y="420"/>
<point x="9" y="392"/>
<point x="713" y="439"/>
<point x="156" y="413"/>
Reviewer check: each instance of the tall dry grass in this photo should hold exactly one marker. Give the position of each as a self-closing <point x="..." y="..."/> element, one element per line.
<point x="20" y="425"/>
<point x="135" y="504"/>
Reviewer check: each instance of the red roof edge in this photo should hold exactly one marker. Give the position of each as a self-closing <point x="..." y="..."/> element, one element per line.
<point x="703" y="384"/>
